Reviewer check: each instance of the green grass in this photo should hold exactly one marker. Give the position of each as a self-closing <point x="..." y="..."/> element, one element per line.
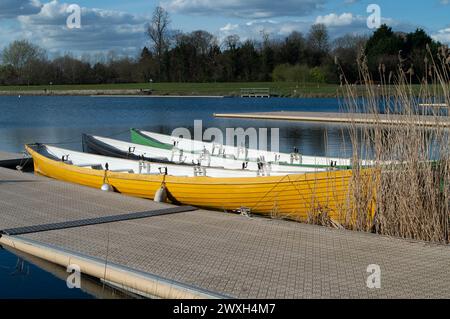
<point x="285" y="89"/>
<point x="281" y="88"/>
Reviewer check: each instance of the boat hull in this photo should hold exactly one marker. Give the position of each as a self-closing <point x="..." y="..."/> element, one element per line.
<point x="120" y="149"/>
<point x="287" y="160"/>
<point x="138" y="138"/>
<point x="297" y="197"/>
<point x="93" y="146"/>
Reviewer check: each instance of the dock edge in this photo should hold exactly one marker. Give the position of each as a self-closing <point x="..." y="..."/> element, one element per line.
<point x="140" y="282"/>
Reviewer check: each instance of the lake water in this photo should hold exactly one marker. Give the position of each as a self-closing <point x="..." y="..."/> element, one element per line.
<point x="63" y="119"/>
<point x="20" y="279"/>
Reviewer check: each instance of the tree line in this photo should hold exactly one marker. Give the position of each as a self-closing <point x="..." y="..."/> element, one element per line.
<point x="175" y="56"/>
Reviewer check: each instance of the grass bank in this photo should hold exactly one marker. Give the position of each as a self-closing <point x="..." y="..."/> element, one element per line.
<point x="282" y="89"/>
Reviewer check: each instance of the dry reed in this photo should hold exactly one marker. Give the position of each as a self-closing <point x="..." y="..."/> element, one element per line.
<point x="409" y="178"/>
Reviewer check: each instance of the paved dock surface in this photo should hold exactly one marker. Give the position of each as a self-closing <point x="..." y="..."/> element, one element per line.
<point x="229" y="254"/>
<point x="328" y="117"/>
<point x="9" y="156"/>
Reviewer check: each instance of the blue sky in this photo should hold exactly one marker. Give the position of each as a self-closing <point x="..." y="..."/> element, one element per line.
<point x="119" y="26"/>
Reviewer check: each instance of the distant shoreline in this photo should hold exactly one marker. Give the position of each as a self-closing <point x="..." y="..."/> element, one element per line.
<point x="137" y="94"/>
<point x="97" y="93"/>
<point x="205" y="90"/>
<point x="216" y="89"/>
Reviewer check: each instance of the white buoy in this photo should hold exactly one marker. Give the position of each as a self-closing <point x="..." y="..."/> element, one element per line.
<point x="107" y="188"/>
<point x="161" y="195"/>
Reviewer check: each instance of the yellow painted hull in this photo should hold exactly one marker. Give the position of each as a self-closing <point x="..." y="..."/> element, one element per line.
<point x="293" y="196"/>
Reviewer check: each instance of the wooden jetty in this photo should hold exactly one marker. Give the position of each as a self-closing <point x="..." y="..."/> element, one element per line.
<point x="328" y="117"/>
<point x="255" y="92"/>
<point x="437" y="105"/>
<point x="205" y="254"/>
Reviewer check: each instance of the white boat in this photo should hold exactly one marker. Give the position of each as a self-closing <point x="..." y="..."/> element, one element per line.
<point x="294" y="196"/>
<point x="237" y="153"/>
<point x="116" y="148"/>
<point x="114" y="164"/>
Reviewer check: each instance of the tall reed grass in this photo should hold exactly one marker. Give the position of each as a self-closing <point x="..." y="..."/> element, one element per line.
<point x="407" y="188"/>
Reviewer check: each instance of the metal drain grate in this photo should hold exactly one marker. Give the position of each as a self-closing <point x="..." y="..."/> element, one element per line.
<point x="95" y="221"/>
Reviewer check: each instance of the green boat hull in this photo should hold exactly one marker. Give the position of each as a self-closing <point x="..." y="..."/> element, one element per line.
<point x="138" y="138"/>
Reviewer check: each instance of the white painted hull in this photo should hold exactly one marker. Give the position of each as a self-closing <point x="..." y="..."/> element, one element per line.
<point x="241" y="153"/>
<point x="183" y="157"/>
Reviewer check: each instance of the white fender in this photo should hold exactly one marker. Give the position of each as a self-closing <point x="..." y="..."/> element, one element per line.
<point x="161" y="195"/>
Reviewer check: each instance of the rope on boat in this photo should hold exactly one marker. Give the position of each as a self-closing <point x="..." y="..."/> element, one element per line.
<point x="23" y="164"/>
<point x="270" y="191"/>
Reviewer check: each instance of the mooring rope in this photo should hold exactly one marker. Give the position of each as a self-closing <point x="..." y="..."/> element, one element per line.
<point x="23" y="164"/>
<point x="270" y="191"/>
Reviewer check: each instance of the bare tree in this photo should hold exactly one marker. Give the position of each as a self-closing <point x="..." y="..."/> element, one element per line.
<point x="158" y="32"/>
<point x="318" y="44"/>
<point x="232" y="42"/>
<point x="346" y="51"/>
<point x="318" y="38"/>
<point x="203" y="41"/>
<point x="21" y="55"/>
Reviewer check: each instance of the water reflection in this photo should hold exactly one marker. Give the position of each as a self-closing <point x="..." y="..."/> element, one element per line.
<point x="24" y="276"/>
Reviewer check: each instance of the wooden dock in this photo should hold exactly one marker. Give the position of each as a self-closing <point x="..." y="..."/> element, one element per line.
<point x="434" y="105"/>
<point x="210" y="254"/>
<point x="255" y="93"/>
<point x="328" y="117"/>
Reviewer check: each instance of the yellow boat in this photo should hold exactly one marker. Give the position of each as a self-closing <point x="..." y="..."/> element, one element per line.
<point x="297" y="196"/>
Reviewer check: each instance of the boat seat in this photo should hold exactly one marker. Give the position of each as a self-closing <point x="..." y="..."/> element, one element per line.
<point x="89" y="165"/>
<point x="97" y="167"/>
<point x="130" y="171"/>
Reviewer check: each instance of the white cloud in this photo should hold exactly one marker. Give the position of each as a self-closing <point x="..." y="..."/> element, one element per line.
<point x="334" y="20"/>
<point x="337" y="25"/>
<point x="249" y="9"/>
<point x="14" y="8"/>
<point x="101" y="30"/>
<point x="253" y="30"/>
<point x="442" y="36"/>
<point x="105" y="30"/>
<point x="229" y="27"/>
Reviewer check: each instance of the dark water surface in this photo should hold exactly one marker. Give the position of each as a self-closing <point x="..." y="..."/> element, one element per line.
<point x="20" y="279"/>
<point x="63" y="120"/>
